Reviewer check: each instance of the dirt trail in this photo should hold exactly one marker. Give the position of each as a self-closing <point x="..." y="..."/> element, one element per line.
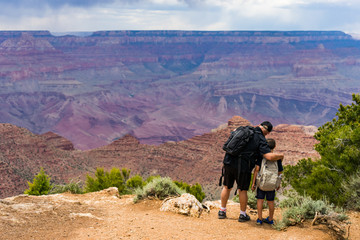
<point x="103" y="216"/>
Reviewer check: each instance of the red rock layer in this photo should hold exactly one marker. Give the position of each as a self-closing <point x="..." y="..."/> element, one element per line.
<point x="198" y="159"/>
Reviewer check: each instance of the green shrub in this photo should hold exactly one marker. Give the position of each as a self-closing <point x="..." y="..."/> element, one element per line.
<point x="299" y="208"/>
<point x="41" y="184"/>
<point x="352" y="191"/>
<point x="72" y="187"/>
<point x="103" y="180"/>
<point x="195" y="190"/>
<point x="125" y="173"/>
<point x="316" y="180"/>
<point x="160" y="188"/>
<point x="339" y="148"/>
<point x="135" y="182"/>
<point x="150" y="178"/>
<point x="291" y="198"/>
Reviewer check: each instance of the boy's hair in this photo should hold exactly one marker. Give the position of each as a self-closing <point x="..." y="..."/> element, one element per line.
<point x="272" y="143"/>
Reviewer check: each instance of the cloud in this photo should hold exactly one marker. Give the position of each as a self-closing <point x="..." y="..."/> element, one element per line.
<point x="53" y="3"/>
<point x="93" y="15"/>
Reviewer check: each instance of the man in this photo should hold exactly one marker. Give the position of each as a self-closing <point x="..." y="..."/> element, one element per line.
<point x="256" y="149"/>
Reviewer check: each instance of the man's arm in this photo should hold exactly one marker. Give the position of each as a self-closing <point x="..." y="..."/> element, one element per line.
<point x="273" y="156"/>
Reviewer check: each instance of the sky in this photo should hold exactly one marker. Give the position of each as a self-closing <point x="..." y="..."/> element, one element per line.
<point x="202" y="15"/>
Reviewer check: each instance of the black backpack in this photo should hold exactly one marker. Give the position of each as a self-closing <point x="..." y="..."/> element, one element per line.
<point x="238" y="140"/>
<point x="235" y="144"/>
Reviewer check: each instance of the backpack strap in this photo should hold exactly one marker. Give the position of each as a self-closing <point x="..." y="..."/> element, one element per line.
<point x="222" y="175"/>
<point x="238" y="173"/>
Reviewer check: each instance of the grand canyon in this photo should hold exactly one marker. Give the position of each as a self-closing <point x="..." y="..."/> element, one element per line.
<point x="157" y="103"/>
<point x="198" y="159"/>
<point x="169" y="86"/>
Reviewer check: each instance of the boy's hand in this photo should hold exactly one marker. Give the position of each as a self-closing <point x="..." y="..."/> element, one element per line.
<point x="253" y="187"/>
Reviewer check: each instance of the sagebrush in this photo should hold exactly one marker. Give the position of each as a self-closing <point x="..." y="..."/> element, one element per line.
<point x="297" y="208"/>
<point x="72" y="187"/>
<point x="160" y="188"/>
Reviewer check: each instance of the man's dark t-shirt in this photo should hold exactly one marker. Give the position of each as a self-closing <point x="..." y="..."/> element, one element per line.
<point x="253" y="151"/>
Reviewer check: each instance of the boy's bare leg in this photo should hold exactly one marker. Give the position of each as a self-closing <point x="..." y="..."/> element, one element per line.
<point x="243" y="199"/>
<point x="271" y="205"/>
<point x="225" y="193"/>
<point x="260" y="203"/>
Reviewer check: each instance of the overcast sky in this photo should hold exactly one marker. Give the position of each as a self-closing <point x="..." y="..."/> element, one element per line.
<point x="94" y="15"/>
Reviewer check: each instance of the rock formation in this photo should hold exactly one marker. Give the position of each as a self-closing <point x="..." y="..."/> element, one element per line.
<point x="198" y="159"/>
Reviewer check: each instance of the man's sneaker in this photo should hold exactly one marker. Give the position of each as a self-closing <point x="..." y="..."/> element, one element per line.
<point x="244" y="218"/>
<point x="221" y="214"/>
<point x="267" y="220"/>
<point x="259" y="222"/>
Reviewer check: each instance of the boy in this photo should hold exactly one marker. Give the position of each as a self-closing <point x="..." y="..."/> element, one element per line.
<point x="269" y="195"/>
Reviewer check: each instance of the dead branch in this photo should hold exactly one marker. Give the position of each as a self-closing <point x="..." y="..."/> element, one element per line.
<point x="342" y="229"/>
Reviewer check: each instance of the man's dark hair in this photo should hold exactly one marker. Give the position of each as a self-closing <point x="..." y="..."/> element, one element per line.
<point x="267" y="125"/>
<point x="271" y="142"/>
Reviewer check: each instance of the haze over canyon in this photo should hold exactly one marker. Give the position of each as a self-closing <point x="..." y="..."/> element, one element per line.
<point x="162" y="86"/>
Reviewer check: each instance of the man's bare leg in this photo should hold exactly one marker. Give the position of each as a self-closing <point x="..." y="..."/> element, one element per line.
<point x="243" y="199"/>
<point x="225" y="193"/>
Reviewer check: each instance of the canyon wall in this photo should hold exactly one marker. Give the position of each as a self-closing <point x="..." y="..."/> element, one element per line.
<point x="198" y="159"/>
<point x="162" y="86"/>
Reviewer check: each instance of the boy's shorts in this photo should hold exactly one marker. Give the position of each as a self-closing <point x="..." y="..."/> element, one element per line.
<point x="269" y="195"/>
<point x="230" y="176"/>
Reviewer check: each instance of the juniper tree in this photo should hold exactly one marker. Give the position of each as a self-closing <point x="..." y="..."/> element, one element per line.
<point x="339" y="148"/>
<point x="40" y="185"/>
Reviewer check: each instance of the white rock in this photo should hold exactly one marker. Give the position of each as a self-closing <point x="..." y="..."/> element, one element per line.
<point x="186" y="204"/>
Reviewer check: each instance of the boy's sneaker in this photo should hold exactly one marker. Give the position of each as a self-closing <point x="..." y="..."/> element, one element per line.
<point x="267" y="220"/>
<point x="221" y="214"/>
<point x="244" y="218"/>
<point x="259" y="222"/>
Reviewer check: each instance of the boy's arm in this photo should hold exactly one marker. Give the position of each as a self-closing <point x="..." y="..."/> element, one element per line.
<point x="254" y="178"/>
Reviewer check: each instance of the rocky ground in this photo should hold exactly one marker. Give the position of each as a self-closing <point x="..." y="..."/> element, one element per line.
<point x="103" y="215"/>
